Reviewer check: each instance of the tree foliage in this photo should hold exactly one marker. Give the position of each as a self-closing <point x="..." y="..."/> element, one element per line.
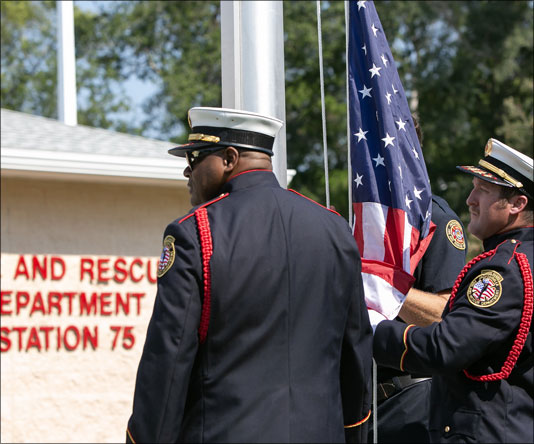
<point x="175" y="45"/>
<point x="28" y="71"/>
<point x="466" y="67"/>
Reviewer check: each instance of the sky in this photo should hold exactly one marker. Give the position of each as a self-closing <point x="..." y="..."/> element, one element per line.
<point x="136" y="90"/>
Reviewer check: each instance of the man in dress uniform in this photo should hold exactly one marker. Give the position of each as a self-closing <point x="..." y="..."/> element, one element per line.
<point x="402" y="398"/>
<point x="260" y="331"/>
<point x="480" y="354"/>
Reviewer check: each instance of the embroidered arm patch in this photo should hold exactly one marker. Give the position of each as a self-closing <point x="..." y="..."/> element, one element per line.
<point x="455" y="234"/>
<point x="167" y="255"/>
<point x="485" y="290"/>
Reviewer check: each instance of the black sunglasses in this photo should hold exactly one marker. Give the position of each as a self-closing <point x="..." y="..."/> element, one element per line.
<point x="194" y="157"/>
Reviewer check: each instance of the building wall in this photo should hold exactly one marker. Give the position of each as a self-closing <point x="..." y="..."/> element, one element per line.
<point x="78" y="267"/>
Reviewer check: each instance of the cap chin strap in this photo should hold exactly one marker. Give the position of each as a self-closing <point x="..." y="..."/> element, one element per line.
<point x="500" y="173"/>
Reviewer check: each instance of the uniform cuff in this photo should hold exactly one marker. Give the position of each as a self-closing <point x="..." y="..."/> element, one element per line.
<point x="356" y="424"/>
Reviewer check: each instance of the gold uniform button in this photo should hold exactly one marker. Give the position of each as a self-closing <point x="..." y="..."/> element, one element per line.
<point x="513" y="241"/>
<point x="447" y="429"/>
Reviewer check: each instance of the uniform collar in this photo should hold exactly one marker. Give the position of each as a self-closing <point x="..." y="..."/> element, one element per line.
<point x="520" y="234"/>
<point x="251" y="178"/>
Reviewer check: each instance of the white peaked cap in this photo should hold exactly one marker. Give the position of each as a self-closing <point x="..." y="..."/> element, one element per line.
<point x="502" y="165"/>
<point x="229" y="127"/>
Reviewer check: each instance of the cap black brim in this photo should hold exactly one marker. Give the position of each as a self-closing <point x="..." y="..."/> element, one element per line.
<point x="483" y="174"/>
<point x="180" y="150"/>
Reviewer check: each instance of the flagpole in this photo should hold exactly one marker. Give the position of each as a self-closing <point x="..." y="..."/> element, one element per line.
<point x="66" y="64"/>
<point x="252" y="62"/>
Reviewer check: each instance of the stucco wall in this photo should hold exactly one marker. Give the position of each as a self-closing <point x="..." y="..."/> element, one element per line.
<point x="76" y="256"/>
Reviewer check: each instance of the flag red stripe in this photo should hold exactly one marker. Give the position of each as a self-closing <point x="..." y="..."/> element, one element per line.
<point x="358" y="230"/>
<point x="419" y="246"/>
<point x="394" y="276"/>
<point x="394" y="237"/>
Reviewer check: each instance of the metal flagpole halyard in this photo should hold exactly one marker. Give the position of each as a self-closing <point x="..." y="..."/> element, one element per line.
<point x="349" y="163"/>
<point x="323" y="112"/>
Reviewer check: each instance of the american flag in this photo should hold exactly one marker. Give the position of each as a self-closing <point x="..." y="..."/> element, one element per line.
<point x="484" y="290"/>
<point x="391" y="194"/>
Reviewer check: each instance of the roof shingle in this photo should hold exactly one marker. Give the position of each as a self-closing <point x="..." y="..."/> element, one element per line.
<point x="30" y="132"/>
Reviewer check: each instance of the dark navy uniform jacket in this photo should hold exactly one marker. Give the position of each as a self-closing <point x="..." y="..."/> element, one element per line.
<point x="283" y="352"/>
<point x="440" y="265"/>
<point x="480" y="354"/>
<point x="446" y="253"/>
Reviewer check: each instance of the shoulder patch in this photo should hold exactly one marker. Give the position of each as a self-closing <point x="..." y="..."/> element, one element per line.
<point x="485" y="290"/>
<point x="167" y="255"/>
<point x="455" y="234"/>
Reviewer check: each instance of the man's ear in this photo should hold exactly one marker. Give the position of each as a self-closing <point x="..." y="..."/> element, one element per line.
<point x="518" y="203"/>
<point x="230" y="159"/>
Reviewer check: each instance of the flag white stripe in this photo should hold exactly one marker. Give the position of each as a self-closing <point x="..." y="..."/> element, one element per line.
<point x="374" y="227"/>
<point x="381" y="296"/>
<point x="406" y="244"/>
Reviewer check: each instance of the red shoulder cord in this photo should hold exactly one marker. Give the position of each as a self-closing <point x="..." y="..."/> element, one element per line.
<point x="206" y="246"/>
<point x="526" y="316"/>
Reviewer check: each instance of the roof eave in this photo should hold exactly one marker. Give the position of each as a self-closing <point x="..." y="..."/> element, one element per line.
<point x="23" y="161"/>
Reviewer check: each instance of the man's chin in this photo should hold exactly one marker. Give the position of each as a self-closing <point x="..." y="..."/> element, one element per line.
<point x="472" y="228"/>
<point x="193" y="199"/>
<point x="473" y="219"/>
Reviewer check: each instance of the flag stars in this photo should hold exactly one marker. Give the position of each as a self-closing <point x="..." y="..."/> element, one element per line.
<point x="415" y="153"/>
<point x="388" y="97"/>
<point x="364" y="47"/>
<point x="374" y="28"/>
<point x="401" y="124"/>
<point x="395" y="91"/>
<point x="408" y="202"/>
<point x="361" y="135"/>
<point x="388" y="140"/>
<point x="374" y="71"/>
<point x="379" y="160"/>
<point x="361" y="4"/>
<point x="417" y="192"/>
<point x="365" y="92"/>
<point x="384" y="60"/>
<point x="427" y="215"/>
<point x="358" y="180"/>
<point x="400" y="171"/>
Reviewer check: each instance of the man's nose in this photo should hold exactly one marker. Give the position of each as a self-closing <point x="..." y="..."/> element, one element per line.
<point x="470" y="199"/>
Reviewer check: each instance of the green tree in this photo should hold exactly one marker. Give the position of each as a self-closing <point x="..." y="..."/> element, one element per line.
<point x="303" y="99"/>
<point x="471" y="64"/>
<point x="29" y="66"/>
<point x="28" y="72"/>
<point x="174" y="45"/>
<point x="466" y="67"/>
